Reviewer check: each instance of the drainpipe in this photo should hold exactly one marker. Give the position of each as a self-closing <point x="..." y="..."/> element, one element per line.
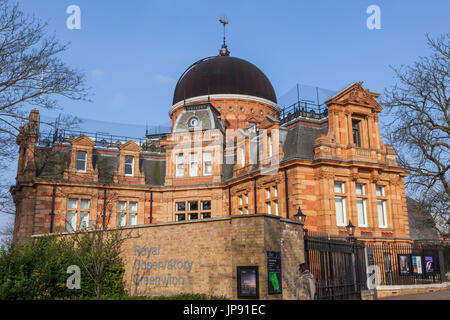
<point x="229" y="200"/>
<point x="254" y="193"/>
<point x="151" y="207"/>
<point x="286" y="189"/>
<point x="104" y="207"/>
<point x="52" y="214"/>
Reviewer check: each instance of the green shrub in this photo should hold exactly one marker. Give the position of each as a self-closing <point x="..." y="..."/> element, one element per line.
<point x="37" y="270"/>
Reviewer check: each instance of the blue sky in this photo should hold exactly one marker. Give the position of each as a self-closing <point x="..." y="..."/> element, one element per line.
<point x="134" y="51"/>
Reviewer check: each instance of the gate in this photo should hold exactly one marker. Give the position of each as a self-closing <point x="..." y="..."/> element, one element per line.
<point x="338" y="265"/>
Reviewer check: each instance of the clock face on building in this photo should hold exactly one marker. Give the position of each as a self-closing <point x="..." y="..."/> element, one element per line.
<point x="193" y="122"/>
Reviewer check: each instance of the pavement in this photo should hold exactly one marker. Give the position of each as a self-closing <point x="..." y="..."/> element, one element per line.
<point x="437" y="295"/>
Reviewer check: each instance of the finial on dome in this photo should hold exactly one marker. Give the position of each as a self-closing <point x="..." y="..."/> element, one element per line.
<point x="224" y="50"/>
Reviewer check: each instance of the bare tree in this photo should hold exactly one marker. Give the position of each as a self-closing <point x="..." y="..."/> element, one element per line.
<point x="97" y="245"/>
<point x="31" y="74"/>
<point x="6" y="234"/>
<point x="419" y="104"/>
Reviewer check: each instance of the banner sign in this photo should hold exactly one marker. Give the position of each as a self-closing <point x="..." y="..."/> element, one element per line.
<point x="404" y="264"/>
<point x="274" y="272"/>
<point x="417" y="265"/>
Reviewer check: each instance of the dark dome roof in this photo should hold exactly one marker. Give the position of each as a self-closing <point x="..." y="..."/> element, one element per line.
<point x="223" y="75"/>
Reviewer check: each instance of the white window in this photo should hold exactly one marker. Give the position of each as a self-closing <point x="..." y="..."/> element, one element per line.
<point x="362" y="212"/>
<point x="71" y="221"/>
<point x="84" y="220"/>
<point x="193" y="164"/>
<point x="380" y="191"/>
<point x="275" y="191"/>
<point x="275" y="203"/>
<point x="269" y="208"/>
<point x="207" y="164"/>
<point x="179" y="165"/>
<point x="125" y="208"/>
<point x="270" y="146"/>
<point x="74" y="211"/>
<point x="341" y="219"/>
<point x="132" y="219"/>
<point x="240" y="211"/>
<point x="246" y="199"/>
<point x="129" y="165"/>
<point x="81" y="161"/>
<point x="382" y="217"/>
<point x="242" y="156"/>
<point x="252" y="126"/>
<point x="121" y="220"/>
<point x="268" y="193"/>
<point x="339" y="187"/>
<point x="360" y="190"/>
<point x="132" y="206"/>
<point x="240" y="200"/>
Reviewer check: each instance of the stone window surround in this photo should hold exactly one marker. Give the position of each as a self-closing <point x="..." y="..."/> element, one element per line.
<point x="186" y="212"/>
<point x="127" y="210"/>
<point x="242" y="207"/>
<point x="272" y="199"/>
<point x="78" y="210"/>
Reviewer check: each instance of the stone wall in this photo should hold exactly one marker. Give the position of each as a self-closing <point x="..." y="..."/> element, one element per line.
<point x="202" y="256"/>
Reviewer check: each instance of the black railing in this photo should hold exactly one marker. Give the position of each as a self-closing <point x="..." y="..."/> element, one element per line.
<point x="305" y="109"/>
<point x="338" y="265"/>
<point x="408" y="263"/>
<point x="101" y="139"/>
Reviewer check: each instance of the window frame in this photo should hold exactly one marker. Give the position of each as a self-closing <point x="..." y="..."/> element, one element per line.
<point x="128" y="164"/>
<point x="179" y="165"/>
<point x="84" y="161"/>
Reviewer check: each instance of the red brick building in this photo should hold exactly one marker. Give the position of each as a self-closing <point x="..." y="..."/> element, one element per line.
<point x="230" y="152"/>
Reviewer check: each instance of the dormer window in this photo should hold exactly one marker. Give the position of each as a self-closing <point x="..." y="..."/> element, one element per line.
<point x="129" y="165"/>
<point x="81" y="161"/>
<point x="356" y="127"/>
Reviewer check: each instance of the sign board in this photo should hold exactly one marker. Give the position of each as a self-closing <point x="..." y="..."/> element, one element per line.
<point x="429" y="264"/>
<point x="247" y="282"/>
<point x="274" y="272"/>
<point x="417" y="265"/>
<point x="404" y="264"/>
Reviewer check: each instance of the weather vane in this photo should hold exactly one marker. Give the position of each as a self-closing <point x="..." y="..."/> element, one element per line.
<point x="224" y="50"/>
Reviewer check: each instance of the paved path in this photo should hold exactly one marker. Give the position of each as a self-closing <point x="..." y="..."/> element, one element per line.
<point x="437" y="295"/>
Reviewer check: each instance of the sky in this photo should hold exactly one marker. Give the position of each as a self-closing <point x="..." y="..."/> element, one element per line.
<point x="133" y="52"/>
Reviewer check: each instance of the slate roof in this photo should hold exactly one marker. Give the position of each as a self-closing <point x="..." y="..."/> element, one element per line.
<point x="299" y="142"/>
<point x="421" y="224"/>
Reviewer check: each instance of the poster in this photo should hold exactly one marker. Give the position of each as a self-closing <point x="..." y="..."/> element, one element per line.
<point x="429" y="264"/>
<point x="404" y="262"/>
<point x="417" y="264"/>
<point x="247" y="278"/>
<point x="274" y="272"/>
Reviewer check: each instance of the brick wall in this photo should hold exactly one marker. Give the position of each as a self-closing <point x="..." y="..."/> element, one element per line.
<point x="202" y="256"/>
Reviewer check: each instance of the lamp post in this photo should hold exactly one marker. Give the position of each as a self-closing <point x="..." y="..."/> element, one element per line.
<point x="300" y="216"/>
<point x="351" y="231"/>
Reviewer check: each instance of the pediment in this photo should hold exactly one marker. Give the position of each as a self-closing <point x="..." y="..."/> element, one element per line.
<point x="130" y="146"/>
<point x="356" y="95"/>
<point x="268" y="122"/>
<point x="83" y="141"/>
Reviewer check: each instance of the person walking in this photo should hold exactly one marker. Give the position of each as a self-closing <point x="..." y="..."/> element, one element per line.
<point x="306" y="284"/>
